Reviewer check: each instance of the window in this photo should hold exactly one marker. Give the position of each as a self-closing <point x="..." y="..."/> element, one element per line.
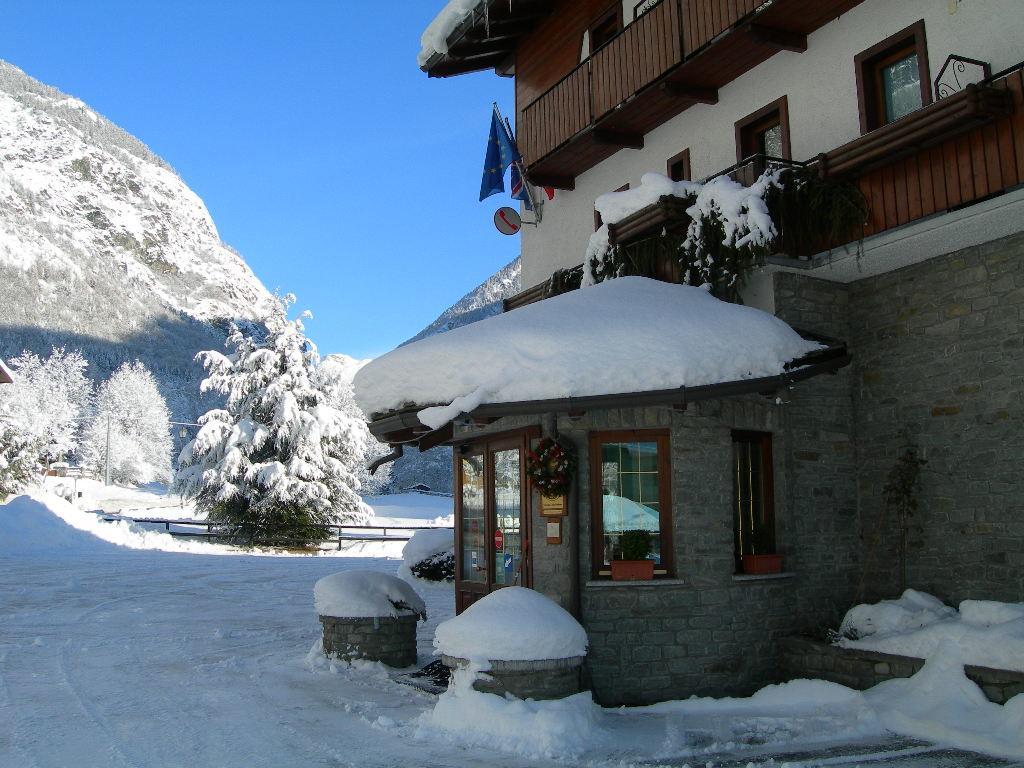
<point x="679" y="166"/>
<point x="765" y="132"/>
<point x="630" y="489"/>
<point x="605" y="28"/>
<point x="892" y="78"/>
<point x="598" y="221"/>
<point x="640" y="7"/>
<point x="754" y="507"/>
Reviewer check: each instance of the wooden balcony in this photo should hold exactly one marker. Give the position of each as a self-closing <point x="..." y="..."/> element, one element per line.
<point x="679" y="53"/>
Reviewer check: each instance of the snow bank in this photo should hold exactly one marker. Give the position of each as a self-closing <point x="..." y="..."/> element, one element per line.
<point x="364" y="593"/>
<point x="911" y="610"/>
<point x="425" y="543"/>
<point x="512" y="624"/>
<point x="632" y="334"/>
<point x="537" y="729"/>
<point x="985" y="633"/>
<point x="940" y="704"/>
<point x="435" y="37"/>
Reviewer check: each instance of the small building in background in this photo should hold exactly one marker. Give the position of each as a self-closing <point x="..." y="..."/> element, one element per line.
<point x="6" y="375"/>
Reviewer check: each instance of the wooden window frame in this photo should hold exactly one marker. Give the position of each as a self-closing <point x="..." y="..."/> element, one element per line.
<point x="754" y="120"/>
<point x="598" y="221"/>
<point x="684" y="158"/>
<point x="486" y="446"/>
<point x="868" y="63"/>
<point x="636" y="6"/>
<point x="767" y="486"/>
<point x="666" y="570"/>
<point x="614" y="11"/>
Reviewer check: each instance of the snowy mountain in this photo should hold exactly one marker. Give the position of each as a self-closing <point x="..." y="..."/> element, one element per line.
<point x="104" y="248"/>
<point x="483" y="301"/>
<point x="434" y="467"/>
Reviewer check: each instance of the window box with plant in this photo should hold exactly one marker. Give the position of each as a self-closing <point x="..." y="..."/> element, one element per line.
<point x="633" y="562"/>
<point x="755" y="513"/>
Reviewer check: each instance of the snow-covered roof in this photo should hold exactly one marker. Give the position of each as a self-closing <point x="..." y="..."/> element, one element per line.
<point x="628" y="335"/>
<point x="6" y="374"/>
<point x="435" y="37"/>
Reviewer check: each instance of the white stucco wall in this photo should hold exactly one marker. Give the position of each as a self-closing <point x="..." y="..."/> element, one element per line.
<point x="820" y="85"/>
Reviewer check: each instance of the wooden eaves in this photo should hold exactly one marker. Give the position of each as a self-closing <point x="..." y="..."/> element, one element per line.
<point x="488" y="36"/>
<point x="403" y="428"/>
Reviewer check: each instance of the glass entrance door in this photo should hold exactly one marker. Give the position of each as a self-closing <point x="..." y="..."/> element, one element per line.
<point x="491" y="519"/>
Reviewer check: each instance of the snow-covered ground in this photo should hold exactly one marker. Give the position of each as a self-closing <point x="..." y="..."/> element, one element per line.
<point x="126" y="657"/>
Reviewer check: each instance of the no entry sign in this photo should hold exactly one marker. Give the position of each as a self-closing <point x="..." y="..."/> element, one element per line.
<point x="499" y="540"/>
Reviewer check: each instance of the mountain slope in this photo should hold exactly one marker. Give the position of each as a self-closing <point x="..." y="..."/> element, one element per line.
<point x="434" y="467"/>
<point x="104" y="248"/>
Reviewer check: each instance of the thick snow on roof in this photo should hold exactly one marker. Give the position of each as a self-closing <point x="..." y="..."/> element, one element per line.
<point x="632" y="334"/>
<point x="6" y="374"/>
<point x="435" y="37"/>
<point x="364" y="594"/>
<point x="512" y="624"/>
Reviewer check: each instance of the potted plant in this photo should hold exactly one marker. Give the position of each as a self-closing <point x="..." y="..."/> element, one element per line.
<point x="633" y="562"/>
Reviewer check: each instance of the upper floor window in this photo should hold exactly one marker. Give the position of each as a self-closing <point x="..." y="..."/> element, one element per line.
<point x="892" y="78"/>
<point x="678" y="166"/>
<point x="764" y="132"/>
<point x="605" y="28"/>
<point x="630" y="490"/>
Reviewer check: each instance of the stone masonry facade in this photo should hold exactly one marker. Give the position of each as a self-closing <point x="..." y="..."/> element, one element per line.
<point x="390" y="640"/>
<point x="938" y="362"/>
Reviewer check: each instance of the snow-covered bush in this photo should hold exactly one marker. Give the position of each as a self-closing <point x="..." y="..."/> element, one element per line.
<point x="132" y="414"/>
<point x="48" y="401"/>
<point x="277" y="464"/>
<point x="17" y="459"/>
<point x="430" y="555"/>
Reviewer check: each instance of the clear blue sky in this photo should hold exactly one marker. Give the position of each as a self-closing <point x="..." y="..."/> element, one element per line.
<point x="338" y="169"/>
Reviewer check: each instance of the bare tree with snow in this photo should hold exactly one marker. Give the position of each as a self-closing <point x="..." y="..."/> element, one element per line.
<point x="133" y="415"/>
<point x="48" y="401"/>
<point x="276" y="465"/>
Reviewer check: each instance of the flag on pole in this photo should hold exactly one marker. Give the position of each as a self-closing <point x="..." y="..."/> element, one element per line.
<point x="519" y="190"/>
<point x="501" y="153"/>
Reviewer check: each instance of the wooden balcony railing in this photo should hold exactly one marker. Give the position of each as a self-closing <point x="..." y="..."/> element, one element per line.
<point x="675" y="55"/>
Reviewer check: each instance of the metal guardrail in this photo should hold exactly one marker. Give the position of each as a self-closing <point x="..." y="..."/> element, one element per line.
<point x="344" y="531"/>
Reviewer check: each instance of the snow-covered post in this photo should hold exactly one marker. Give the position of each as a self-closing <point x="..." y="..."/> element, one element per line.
<point x="369" y="615"/>
<point x="106" y="463"/>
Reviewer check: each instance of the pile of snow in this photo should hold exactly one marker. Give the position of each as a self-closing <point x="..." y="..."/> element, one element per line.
<point x="632" y="334"/>
<point x="430" y="552"/>
<point x="543" y="629"/>
<point x="911" y="610"/>
<point x="30" y="525"/>
<point x="535" y="729"/>
<point x="366" y="594"/>
<point x="985" y="633"/>
<point x="435" y="37"/>
<point x="941" y="704"/>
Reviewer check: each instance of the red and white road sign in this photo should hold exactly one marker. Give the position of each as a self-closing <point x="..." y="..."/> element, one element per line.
<point x="499" y="540"/>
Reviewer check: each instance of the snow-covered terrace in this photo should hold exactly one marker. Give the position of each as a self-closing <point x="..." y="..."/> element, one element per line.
<point x="631" y="341"/>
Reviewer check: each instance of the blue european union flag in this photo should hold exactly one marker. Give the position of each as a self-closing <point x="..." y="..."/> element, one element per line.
<point x="501" y="153"/>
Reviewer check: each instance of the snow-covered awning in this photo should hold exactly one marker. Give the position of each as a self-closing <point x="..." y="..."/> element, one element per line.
<point x="633" y="338"/>
<point x="6" y="375"/>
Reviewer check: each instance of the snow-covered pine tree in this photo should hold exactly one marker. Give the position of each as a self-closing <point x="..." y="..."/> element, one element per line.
<point x="18" y="462"/>
<point x="130" y="404"/>
<point x="334" y="376"/>
<point x="276" y="465"/>
<point x="48" y="401"/>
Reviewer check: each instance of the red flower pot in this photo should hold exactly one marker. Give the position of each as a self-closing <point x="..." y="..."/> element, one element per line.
<point x="753" y="564"/>
<point x="632" y="570"/>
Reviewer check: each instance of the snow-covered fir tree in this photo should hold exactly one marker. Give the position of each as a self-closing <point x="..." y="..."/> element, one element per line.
<point x="334" y="376"/>
<point x="133" y="415"/>
<point x="49" y="401"/>
<point x="277" y="464"/>
<point x="18" y="458"/>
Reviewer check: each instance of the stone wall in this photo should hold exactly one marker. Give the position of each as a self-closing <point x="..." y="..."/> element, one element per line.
<point x="938" y="363"/>
<point x="801" y="657"/>
<point x="544" y="679"/>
